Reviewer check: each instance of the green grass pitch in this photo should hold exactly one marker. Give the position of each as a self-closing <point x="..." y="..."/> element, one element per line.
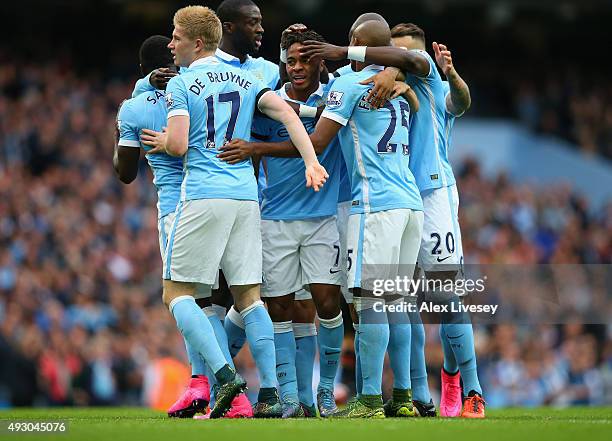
<point x="116" y="424"/>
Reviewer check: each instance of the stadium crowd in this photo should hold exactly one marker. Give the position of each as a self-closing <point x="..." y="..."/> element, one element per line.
<point x="567" y="102"/>
<point x="81" y="317"/>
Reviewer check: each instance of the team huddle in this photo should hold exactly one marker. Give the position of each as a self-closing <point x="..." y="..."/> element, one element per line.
<point x="299" y="187"/>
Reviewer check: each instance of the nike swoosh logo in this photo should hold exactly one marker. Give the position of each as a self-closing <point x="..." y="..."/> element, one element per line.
<point x="442" y="260"/>
<point x="331" y="352"/>
<point x="334" y="272"/>
<point x="282" y="364"/>
<point x="453" y="337"/>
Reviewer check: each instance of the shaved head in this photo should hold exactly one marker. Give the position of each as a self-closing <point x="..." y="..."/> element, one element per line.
<point x="368" y="16"/>
<point x="373" y="33"/>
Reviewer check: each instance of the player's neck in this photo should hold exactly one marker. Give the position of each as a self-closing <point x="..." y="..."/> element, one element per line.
<point x="358" y="67"/>
<point x="202" y="55"/>
<point x="228" y="47"/>
<point x="302" y="95"/>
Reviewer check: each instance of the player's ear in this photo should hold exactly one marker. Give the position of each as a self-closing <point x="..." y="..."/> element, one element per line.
<point x="228" y="26"/>
<point x="322" y="66"/>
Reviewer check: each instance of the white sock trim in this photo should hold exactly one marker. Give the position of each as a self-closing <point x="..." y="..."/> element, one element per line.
<point x="250" y="308"/>
<point x="282" y="327"/>
<point x="332" y="323"/>
<point x="304" y="330"/>
<point x="220" y="311"/>
<point x="179" y="299"/>
<point x="235" y="317"/>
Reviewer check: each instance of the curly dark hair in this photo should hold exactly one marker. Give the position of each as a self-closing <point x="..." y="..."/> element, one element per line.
<point x="300" y="37"/>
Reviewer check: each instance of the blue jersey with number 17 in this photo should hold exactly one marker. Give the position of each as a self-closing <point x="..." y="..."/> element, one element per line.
<point x="220" y="101"/>
<point x="374" y="144"/>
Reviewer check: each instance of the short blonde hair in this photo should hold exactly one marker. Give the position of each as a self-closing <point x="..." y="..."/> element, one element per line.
<point x="200" y="22"/>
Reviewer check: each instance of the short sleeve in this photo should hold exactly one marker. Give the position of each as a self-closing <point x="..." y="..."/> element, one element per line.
<point x="344" y="70"/>
<point x="272" y="75"/>
<point x="128" y="126"/>
<point x="142" y="85"/>
<point x="432" y="67"/>
<point x="176" y="97"/>
<point x="258" y="88"/>
<point x="341" y="99"/>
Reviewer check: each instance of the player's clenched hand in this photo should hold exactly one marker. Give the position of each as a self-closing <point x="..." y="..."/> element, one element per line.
<point x="316" y="176"/>
<point x="159" y="77"/>
<point x="156" y="140"/>
<point x="326" y="51"/>
<point x="384" y="85"/>
<point x="443" y="58"/>
<point x="235" y="151"/>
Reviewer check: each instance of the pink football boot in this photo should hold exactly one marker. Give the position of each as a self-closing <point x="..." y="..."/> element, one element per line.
<point x="450" y="401"/>
<point x="194" y="399"/>
<point x="241" y="408"/>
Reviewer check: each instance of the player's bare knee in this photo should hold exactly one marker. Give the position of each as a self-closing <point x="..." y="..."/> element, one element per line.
<point x="326" y="299"/>
<point x="245" y="295"/>
<point x="172" y="290"/>
<point x="280" y="308"/>
<point x="304" y="311"/>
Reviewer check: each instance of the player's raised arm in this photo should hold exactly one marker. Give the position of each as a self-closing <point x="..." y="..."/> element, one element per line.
<point x="273" y="106"/>
<point x="459" y="99"/>
<point x="407" y="61"/>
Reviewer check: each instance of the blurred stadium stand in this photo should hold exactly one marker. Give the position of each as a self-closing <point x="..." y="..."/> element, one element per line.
<point x="81" y="321"/>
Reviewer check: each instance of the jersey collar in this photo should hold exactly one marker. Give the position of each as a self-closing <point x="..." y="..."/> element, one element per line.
<point x="206" y="60"/>
<point x="374" y="67"/>
<point x="316" y="94"/>
<point x="228" y="58"/>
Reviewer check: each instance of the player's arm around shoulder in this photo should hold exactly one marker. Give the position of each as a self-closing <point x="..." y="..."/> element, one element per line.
<point x="276" y="108"/>
<point x="127" y="146"/>
<point x="177" y="132"/>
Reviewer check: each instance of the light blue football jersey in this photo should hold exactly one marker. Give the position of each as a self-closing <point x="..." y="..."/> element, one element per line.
<point x="429" y="157"/>
<point x="286" y="196"/>
<point x="374" y="144"/>
<point x="220" y="101"/>
<point x="144" y="85"/>
<point x="148" y="111"/>
<point x="344" y="193"/>
<point x="265" y="71"/>
<point x="343" y="70"/>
